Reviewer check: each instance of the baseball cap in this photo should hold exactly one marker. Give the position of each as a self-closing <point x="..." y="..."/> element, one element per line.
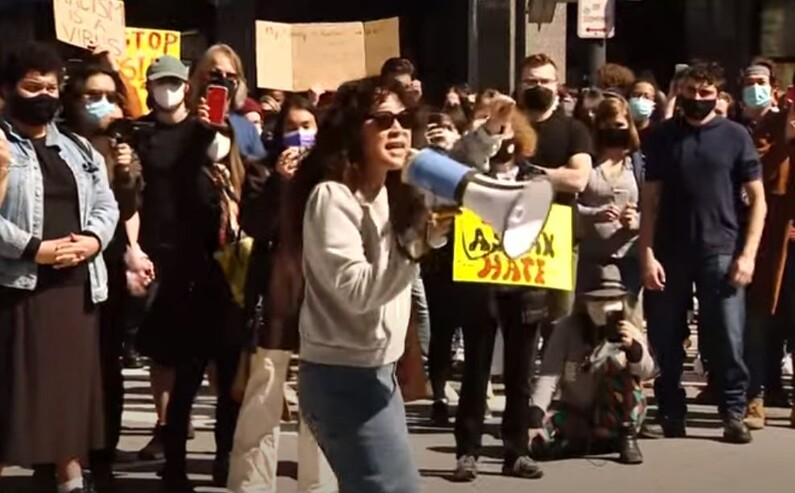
<point x="167" y="66"/>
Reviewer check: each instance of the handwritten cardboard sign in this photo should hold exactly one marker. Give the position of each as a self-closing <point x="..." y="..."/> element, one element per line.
<point x="297" y="57"/>
<point x="91" y="22"/>
<point x="478" y="256"/>
<point x="143" y="47"/>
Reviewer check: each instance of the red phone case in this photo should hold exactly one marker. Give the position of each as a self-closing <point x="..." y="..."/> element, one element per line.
<point x="216" y="100"/>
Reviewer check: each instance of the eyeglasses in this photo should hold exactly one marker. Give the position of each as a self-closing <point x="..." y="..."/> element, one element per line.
<point x="384" y="120"/>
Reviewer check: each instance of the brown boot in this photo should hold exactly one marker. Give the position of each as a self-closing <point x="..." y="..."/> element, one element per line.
<point x="755" y="418"/>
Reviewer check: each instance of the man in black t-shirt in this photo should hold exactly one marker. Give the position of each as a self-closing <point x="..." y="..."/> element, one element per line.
<point x="563" y="150"/>
<point x="564" y="144"/>
<point x="702" y="214"/>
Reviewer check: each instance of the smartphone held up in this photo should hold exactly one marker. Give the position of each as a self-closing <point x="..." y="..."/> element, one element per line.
<point x="217" y="97"/>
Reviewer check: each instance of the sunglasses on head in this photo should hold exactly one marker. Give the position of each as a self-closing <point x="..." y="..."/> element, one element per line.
<point x="384" y="120"/>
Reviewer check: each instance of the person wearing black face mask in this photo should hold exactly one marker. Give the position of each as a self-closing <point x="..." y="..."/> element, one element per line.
<point x="608" y="207"/>
<point x="563" y="150"/>
<point x="696" y="226"/>
<point x="58" y="214"/>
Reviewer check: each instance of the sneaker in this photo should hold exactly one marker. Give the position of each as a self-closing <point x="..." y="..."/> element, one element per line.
<point x="523" y="467"/>
<point x="674" y="429"/>
<point x="628" y="449"/>
<point x="153" y="451"/>
<point x="735" y="431"/>
<point x="440" y="414"/>
<point x="755" y="416"/>
<point x="650" y="431"/>
<point x="466" y="470"/>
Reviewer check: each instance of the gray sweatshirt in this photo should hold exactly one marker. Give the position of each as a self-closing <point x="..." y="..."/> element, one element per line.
<point x="357" y="294"/>
<point x="563" y="368"/>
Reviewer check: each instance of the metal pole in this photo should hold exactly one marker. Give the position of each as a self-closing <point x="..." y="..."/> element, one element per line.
<point x="472" y="66"/>
<point x="520" y="42"/>
<point x="597" y="56"/>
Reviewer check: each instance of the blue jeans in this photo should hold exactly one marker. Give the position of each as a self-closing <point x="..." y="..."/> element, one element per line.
<point x="359" y="420"/>
<point x="722" y="324"/>
<point x="420" y="303"/>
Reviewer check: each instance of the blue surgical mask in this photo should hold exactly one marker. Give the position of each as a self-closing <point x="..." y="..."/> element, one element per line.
<point x="757" y="96"/>
<point x="641" y="108"/>
<point x="304" y="138"/>
<point x="97" y="110"/>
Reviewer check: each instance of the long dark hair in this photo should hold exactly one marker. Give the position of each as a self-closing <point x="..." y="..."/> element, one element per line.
<point x="338" y="156"/>
<point x="74" y="112"/>
<point x="293" y="102"/>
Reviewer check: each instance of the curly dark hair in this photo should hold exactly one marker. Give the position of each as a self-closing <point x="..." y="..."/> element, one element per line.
<point x="32" y="57"/>
<point x="74" y="112"/>
<point x="710" y="73"/>
<point x="338" y="155"/>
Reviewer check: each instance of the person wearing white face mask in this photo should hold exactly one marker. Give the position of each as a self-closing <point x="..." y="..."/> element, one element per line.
<point x="597" y="358"/>
<point x="173" y="233"/>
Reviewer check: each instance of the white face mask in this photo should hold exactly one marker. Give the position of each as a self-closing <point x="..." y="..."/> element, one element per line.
<point x="219" y="148"/>
<point x="168" y="96"/>
<point x="598" y="310"/>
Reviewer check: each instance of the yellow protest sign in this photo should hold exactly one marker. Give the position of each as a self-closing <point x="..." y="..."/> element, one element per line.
<point x="143" y="47"/>
<point x="478" y="256"/>
<point x="87" y="23"/>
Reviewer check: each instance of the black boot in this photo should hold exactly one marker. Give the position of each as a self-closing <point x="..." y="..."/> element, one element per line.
<point x="440" y="414"/>
<point x="628" y="449"/>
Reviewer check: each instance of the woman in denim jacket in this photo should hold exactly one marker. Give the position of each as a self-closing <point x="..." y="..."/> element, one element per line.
<point x="57" y="216"/>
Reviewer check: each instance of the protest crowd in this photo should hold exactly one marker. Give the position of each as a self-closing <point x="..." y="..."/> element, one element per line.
<point x="210" y="229"/>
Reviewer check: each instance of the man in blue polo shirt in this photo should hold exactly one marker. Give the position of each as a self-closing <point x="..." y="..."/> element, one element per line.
<point x="702" y="215"/>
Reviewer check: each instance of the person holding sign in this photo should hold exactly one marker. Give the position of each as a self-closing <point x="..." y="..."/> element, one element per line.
<point x="597" y="359"/>
<point x="362" y="233"/>
<point x="608" y="207"/>
<point x="57" y="217"/>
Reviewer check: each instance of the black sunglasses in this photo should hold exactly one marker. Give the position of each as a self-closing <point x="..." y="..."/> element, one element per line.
<point x="384" y="120"/>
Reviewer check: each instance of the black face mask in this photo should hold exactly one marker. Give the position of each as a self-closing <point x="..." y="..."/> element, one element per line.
<point x="217" y="79"/>
<point x="538" y="98"/>
<point x="38" y="110"/>
<point x="696" y="109"/>
<point x="613" y="137"/>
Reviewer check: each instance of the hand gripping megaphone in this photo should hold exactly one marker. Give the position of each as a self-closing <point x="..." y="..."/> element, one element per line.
<point x="516" y="211"/>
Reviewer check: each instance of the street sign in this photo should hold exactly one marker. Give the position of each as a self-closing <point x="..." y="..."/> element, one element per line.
<point x="596" y="19"/>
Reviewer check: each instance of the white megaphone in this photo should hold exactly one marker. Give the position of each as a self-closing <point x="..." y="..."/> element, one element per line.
<point x="517" y="211"/>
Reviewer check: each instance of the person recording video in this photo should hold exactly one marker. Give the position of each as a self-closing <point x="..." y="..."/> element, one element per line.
<point x="597" y="358"/>
<point x="94" y="100"/>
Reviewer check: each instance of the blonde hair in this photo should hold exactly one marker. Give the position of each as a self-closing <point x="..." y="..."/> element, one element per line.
<point x="198" y="79"/>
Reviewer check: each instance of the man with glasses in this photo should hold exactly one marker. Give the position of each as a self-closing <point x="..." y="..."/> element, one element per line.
<point x="563" y="152"/>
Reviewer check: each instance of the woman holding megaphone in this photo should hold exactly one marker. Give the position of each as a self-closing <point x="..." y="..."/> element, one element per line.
<point x="362" y="233"/>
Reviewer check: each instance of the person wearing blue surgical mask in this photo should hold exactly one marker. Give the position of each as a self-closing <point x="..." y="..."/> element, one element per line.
<point x="642" y="106"/>
<point x="254" y="458"/>
<point x="757" y="90"/>
<point x="93" y="97"/>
